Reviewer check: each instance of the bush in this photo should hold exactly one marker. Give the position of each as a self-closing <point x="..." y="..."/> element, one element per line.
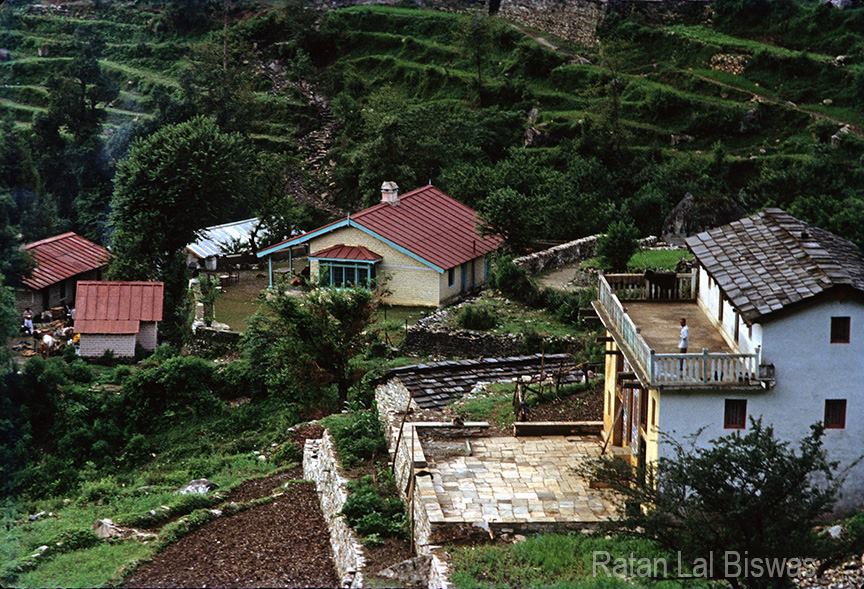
<point x="120" y="374"/>
<point x="372" y="508"/>
<point x="79" y="371"/>
<point x="479" y="317"/>
<point x="618" y="245"/>
<point x="98" y="491"/>
<point x="287" y="453"/>
<point x="181" y="383"/>
<point x="514" y="282"/>
<point x="358" y="436"/>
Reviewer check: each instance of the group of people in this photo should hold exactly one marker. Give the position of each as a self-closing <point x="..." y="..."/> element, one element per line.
<point x="49" y="341"/>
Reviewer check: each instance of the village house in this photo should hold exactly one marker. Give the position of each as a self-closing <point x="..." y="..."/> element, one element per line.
<point x="222" y="244"/>
<point x="424" y="245"/>
<point x="775" y="311"/>
<point x="116" y="316"/>
<point x="60" y="262"/>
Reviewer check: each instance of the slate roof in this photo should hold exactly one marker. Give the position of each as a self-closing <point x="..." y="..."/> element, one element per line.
<point x="117" y="307"/>
<point x="63" y="256"/>
<point x="436" y="384"/>
<point x="426" y="222"/>
<point x="214" y="238"/>
<point x="347" y="252"/>
<point x="770" y="260"/>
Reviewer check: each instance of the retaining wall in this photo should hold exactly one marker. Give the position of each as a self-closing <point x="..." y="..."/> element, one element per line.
<point x="321" y="466"/>
<point x="571" y="252"/>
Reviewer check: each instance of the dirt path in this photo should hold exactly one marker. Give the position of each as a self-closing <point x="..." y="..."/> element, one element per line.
<point x="784" y="104"/>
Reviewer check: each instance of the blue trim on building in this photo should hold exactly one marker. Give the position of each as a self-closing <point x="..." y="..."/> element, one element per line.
<point x="347" y="222"/>
<point x="303" y="238"/>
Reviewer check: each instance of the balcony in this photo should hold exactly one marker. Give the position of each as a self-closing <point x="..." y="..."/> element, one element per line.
<point x="643" y="317"/>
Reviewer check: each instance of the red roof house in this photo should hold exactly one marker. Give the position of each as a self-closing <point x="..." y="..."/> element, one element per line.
<point x="61" y="261"/>
<point x="426" y="243"/>
<point x="117" y="316"/>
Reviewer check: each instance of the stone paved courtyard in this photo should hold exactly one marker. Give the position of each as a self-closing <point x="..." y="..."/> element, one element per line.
<point x="521" y="480"/>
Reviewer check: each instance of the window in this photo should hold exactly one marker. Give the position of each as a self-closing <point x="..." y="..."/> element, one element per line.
<point x="346" y="274"/>
<point x="63" y="290"/>
<point x="653" y="411"/>
<point x="835" y="413"/>
<point x="451" y="277"/>
<point x="735" y="415"/>
<point x="720" y="307"/>
<point x="840" y="330"/>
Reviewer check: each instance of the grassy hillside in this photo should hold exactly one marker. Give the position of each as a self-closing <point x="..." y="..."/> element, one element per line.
<point x="139" y="55"/>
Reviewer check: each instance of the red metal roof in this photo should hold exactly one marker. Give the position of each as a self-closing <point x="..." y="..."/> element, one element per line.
<point x="426" y="222"/>
<point x="347" y="252"/>
<point x="117" y="307"/>
<point x="63" y="256"/>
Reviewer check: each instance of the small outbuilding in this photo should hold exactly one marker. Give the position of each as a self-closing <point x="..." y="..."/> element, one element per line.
<point x="60" y="262"/>
<point x="116" y="316"/>
<point x="223" y="242"/>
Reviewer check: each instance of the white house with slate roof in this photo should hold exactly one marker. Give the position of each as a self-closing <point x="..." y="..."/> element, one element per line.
<point x="776" y="314"/>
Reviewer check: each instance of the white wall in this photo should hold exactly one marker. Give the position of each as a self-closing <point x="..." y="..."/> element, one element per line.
<point x="709" y="300"/>
<point x="809" y="369"/>
<point x="94" y="345"/>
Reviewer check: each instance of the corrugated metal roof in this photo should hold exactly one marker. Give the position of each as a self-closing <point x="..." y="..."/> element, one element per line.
<point x="117" y="307"/>
<point x="426" y="222"/>
<point x="63" y="256"/>
<point x="770" y="260"/>
<point x="347" y="252"/>
<point x="214" y="238"/>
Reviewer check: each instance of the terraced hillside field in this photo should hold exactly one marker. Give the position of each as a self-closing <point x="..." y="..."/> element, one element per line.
<point x="145" y="61"/>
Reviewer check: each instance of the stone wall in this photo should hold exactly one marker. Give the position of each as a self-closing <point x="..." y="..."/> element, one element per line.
<point x="571" y="252"/>
<point x="208" y="342"/>
<point x="432" y="335"/>
<point x="574" y="20"/>
<point x="321" y="466"/>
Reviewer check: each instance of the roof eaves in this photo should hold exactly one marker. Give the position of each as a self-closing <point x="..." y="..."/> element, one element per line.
<point x="303" y="238"/>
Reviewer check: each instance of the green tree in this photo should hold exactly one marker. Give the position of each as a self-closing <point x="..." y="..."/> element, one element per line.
<point x="8" y="324"/>
<point x="617" y="245"/>
<point x="312" y="339"/>
<point x="14" y="261"/>
<point x="174" y="183"/>
<point x="749" y="493"/>
<point x="513" y="215"/>
<point x="476" y="40"/>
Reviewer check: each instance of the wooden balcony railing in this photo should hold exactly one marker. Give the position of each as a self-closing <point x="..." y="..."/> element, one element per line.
<point x="694" y="369"/>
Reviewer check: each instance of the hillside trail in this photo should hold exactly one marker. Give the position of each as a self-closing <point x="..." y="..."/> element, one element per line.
<point x="312" y="190"/>
<point x="785" y="104"/>
<point x="543" y="41"/>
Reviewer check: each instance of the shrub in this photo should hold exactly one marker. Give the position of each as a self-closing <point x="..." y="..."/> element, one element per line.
<point x="79" y="371"/>
<point x="181" y="383"/>
<point x="120" y="374"/>
<point x="98" y="491"/>
<point x="479" y="317"/>
<point x="514" y="281"/>
<point x="358" y="436"/>
<point x="372" y="508"/>
<point x="287" y="453"/>
<point x="618" y="245"/>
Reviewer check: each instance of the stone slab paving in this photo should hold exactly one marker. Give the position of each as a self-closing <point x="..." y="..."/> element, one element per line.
<point x="521" y="480"/>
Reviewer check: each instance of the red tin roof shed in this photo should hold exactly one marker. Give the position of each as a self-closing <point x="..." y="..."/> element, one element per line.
<point x="117" y="307"/>
<point x="63" y="256"/>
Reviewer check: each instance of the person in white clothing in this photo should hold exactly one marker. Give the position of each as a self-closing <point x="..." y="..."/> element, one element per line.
<point x="685" y="336"/>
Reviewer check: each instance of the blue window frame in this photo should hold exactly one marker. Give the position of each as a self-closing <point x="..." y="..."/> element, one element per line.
<point x="341" y="274"/>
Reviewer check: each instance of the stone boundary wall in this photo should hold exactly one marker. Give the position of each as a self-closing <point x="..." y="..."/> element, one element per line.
<point x="432" y="336"/>
<point x="571" y="252"/>
<point x="391" y="399"/>
<point x="321" y="466"/>
<point x="209" y="342"/>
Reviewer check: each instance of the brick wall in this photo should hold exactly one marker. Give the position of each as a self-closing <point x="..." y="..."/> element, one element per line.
<point x="94" y="345"/>
<point x="147" y="337"/>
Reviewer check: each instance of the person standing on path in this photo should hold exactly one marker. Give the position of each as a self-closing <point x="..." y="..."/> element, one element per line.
<point x="28" y="320"/>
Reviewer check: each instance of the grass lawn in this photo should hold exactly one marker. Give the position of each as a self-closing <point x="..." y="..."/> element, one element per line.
<point x="649" y="259"/>
<point x="495" y="404"/>
<point x="238" y="302"/>
<point x="514" y="317"/>
<point x="392" y="320"/>
<point x="562" y="561"/>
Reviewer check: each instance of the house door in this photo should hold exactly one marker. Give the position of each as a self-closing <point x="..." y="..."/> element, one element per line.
<point x="463" y="271"/>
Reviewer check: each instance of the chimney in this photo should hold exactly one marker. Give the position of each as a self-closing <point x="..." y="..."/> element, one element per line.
<point x="390" y="193"/>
